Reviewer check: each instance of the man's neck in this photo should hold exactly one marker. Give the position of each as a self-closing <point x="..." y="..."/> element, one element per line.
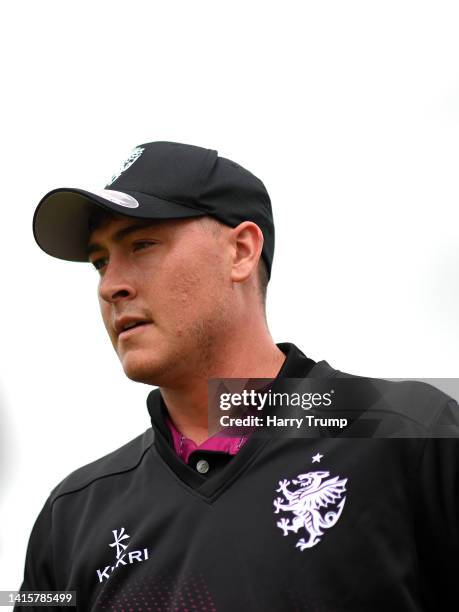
<point x="188" y="404"/>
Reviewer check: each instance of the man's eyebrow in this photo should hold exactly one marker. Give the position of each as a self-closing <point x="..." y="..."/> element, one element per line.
<point x="119" y="235"/>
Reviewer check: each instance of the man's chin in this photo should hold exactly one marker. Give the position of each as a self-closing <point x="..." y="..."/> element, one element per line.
<point x="141" y="368"/>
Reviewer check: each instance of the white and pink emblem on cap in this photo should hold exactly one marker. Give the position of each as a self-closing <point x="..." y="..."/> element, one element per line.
<point x="133" y="156"/>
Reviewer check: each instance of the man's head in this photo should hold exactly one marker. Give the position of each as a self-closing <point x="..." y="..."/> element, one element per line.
<point x="194" y="267"/>
<point x="172" y="291"/>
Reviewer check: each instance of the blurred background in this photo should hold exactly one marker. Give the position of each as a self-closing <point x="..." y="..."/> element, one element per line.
<point x="349" y="113"/>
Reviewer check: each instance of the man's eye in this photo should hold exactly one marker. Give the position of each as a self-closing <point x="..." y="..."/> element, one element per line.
<point x="142" y="244"/>
<point x="99" y="263"/>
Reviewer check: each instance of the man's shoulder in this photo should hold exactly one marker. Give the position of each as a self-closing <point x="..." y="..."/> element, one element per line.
<point x="122" y="459"/>
<point x="420" y="401"/>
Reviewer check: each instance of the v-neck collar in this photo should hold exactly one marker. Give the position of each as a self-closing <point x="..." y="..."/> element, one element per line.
<point x="296" y="365"/>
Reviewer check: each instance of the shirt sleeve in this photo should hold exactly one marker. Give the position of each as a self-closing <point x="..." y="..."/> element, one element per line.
<point x="39" y="568"/>
<point x="437" y="512"/>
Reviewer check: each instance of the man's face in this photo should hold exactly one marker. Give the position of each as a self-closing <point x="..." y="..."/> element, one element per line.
<point x="163" y="293"/>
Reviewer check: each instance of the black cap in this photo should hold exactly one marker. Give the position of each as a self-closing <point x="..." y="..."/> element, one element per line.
<point x="159" y="180"/>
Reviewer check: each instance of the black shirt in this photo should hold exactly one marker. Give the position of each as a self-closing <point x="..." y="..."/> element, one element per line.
<point x="139" y="529"/>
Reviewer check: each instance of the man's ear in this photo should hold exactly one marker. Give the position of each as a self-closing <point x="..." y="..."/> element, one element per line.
<point x="247" y="243"/>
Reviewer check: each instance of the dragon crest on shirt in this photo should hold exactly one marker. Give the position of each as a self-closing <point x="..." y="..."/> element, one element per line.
<point x="315" y="505"/>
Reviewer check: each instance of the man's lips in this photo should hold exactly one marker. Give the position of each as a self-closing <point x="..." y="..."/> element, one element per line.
<point x="129" y="324"/>
<point x="132" y="331"/>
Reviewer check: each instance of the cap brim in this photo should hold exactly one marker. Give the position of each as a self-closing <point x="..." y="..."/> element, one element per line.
<point x="61" y="219"/>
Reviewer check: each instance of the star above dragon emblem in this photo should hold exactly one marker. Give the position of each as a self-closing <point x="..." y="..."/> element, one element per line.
<point x="315" y="504"/>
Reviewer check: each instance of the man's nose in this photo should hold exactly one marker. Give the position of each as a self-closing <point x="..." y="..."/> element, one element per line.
<point x="115" y="284"/>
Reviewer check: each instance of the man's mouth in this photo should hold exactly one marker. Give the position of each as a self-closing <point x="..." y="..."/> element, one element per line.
<point x="132" y="330"/>
<point x="129" y="325"/>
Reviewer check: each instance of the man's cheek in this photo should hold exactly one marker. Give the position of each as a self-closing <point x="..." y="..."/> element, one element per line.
<point x="105" y="313"/>
<point x="186" y="278"/>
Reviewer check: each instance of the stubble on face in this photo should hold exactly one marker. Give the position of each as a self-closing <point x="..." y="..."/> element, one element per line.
<point x="185" y="288"/>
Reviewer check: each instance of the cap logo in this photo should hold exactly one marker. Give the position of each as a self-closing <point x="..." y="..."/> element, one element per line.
<point x="118" y="197"/>
<point x="134" y="156"/>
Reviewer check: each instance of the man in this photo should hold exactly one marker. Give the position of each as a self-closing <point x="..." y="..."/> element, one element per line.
<point x="183" y="241"/>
